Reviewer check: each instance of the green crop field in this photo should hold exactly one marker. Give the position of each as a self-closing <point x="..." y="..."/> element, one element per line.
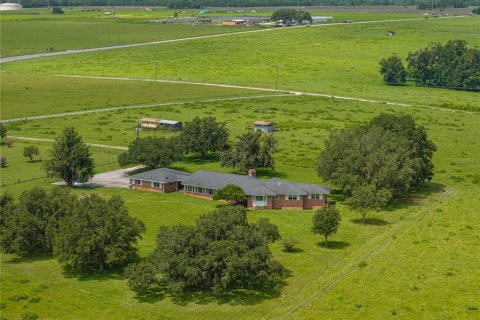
<point x="416" y="259"/>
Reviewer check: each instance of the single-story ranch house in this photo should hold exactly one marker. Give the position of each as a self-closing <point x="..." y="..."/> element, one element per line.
<point x="159" y="180"/>
<point x="261" y="193"/>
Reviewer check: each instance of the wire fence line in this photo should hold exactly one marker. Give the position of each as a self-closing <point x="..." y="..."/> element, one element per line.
<point x="163" y="104"/>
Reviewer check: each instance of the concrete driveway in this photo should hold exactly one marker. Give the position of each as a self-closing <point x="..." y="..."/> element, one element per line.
<point x="112" y="179"/>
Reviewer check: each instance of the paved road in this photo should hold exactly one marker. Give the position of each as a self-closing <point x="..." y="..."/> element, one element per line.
<point x="50" y="140"/>
<point x="112" y="179"/>
<point x="59" y="53"/>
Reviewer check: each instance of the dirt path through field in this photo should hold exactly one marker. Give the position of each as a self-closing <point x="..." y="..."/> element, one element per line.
<point x="51" y="140"/>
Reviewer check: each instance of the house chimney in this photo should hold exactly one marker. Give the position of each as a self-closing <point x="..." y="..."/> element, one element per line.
<point x="252" y="173"/>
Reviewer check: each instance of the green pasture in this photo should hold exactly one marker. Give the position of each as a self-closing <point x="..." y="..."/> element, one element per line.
<point x="26" y="95"/>
<point x="340" y="59"/>
<point x="415" y="259"/>
<point x="38" y="30"/>
<point x="35" y="33"/>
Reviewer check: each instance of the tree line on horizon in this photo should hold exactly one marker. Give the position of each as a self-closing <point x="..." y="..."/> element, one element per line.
<point x="197" y="4"/>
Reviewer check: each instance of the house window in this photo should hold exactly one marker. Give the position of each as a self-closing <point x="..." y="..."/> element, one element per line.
<point x="211" y="191"/>
<point x="293" y="197"/>
<point x="277" y="197"/>
<point x="137" y="182"/>
<point x="260" y="198"/>
<point x="156" y="185"/>
<point x="315" y="196"/>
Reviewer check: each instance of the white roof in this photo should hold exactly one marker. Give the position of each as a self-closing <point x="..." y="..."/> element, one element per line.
<point x="169" y="122"/>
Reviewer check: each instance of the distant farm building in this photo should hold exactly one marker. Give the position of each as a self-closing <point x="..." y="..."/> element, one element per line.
<point x="8" y="6"/>
<point x="234" y="22"/>
<point x="264" y="126"/>
<point x="152" y="123"/>
<point x="321" y="19"/>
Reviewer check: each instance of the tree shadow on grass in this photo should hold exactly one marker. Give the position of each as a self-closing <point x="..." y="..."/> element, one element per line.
<point x="150" y="295"/>
<point x="293" y="251"/>
<point x="179" y="168"/>
<point x="209" y="158"/>
<point x="28" y="258"/>
<point x="371" y="221"/>
<point x="416" y="196"/>
<point x="336" y="196"/>
<point x="234" y="297"/>
<point x="92" y="274"/>
<point x="264" y="173"/>
<point x="334" y="244"/>
<point x="35" y="161"/>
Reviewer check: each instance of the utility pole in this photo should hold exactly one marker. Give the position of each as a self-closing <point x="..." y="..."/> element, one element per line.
<point x="276" y="81"/>
<point x="138" y="128"/>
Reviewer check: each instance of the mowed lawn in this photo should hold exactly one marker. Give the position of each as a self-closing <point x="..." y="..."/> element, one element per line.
<point x="340" y="59"/>
<point x="25" y="95"/>
<point x="416" y="259"/>
<point x="21" y="173"/>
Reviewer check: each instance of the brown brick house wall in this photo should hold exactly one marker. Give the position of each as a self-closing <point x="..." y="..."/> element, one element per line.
<point x="314" y="203"/>
<point x="199" y="195"/>
<point x="148" y="185"/>
<point x="269" y="202"/>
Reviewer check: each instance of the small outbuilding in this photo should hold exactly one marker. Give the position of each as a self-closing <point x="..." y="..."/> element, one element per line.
<point x="263" y="126"/>
<point x="153" y="123"/>
<point x="8" y="6"/>
<point x="234" y="22"/>
<point x="321" y="19"/>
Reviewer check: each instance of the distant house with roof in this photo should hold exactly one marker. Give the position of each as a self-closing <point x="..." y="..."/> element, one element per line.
<point x="264" y="126"/>
<point x="153" y="123"/>
<point x="261" y="193"/>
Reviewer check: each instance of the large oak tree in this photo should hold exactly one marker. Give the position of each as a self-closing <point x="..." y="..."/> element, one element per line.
<point x="222" y="251"/>
<point x="376" y="162"/>
<point x="204" y="135"/>
<point x="98" y="234"/>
